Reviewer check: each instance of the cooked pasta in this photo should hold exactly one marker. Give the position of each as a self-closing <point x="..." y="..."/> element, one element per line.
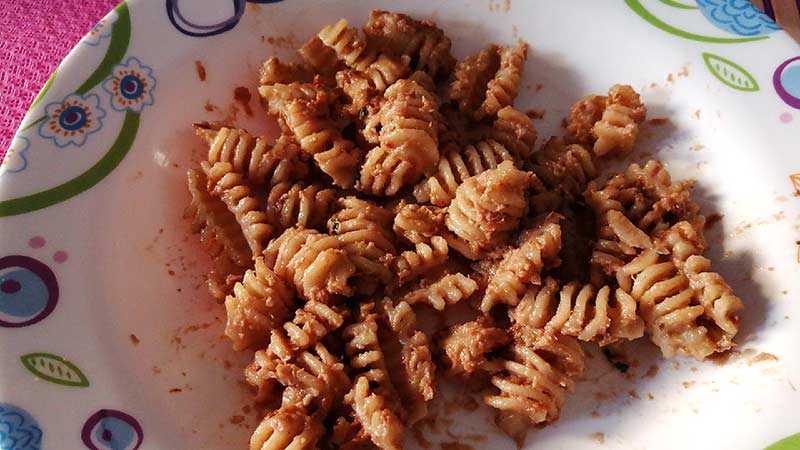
<point x="447" y="290"/>
<point x="533" y="378"/>
<point x="465" y="346"/>
<point x="313" y="262"/>
<point x="232" y="189"/>
<point x="412" y="264"/>
<point x="579" y="310"/>
<point x="682" y="317"/>
<point x="304" y="111"/>
<point x="297" y="204"/>
<point x="487" y="208"/>
<point x="354" y="51"/>
<point x="287" y="428"/>
<point x="455" y="166"/>
<point x="610" y="124"/>
<point x="426" y="46"/>
<point x="259" y="303"/>
<point x="522" y="266"/>
<point x="364" y="229"/>
<point x="502" y="89"/>
<point x="220" y="234"/>
<point x="404" y="182"/>
<point x="259" y="162"/>
<point x="408" y="140"/>
<point x="418" y="223"/>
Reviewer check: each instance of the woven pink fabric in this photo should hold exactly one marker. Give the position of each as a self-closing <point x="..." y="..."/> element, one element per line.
<point x="35" y="35"/>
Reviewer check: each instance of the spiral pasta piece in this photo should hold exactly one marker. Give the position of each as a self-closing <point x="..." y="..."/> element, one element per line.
<point x="447" y="290"/>
<point x="319" y="56"/>
<point x="258" y="304"/>
<point x="538" y="249"/>
<point x="313" y="262"/>
<point x="303" y="109"/>
<point x="298" y="204"/>
<point x="455" y="166"/>
<point x="259" y="162"/>
<point x="412" y="264"/>
<point x="533" y="379"/>
<point x="232" y="189"/>
<point x="364" y="230"/>
<point x="680" y="314"/>
<point x="377" y="419"/>
<point x="352" y="48"/>
<point x="465" y="346"/>
<point x="287" y="428"/>
<point x="274" y="71"/>
<point x="487" y="208"/>
<point x="581" y="311"/>
<point x="408" y="140"/>
<point x="515" y="131"/>
<point x="564" y="169"/>
<point x="421" y="41"/>
<point x="409" y="360"/>
<point x="608" y="124"/>
<point x="220" y="234"/>
<point x="310" y="325"/>
<point x="502" y="89"/>
<point x="418" y="223"/>
<point x="471" y="76"/>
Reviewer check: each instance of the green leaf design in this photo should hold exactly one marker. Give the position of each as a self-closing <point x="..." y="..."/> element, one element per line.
<point x="790" y="443"/>
<point x="730" y="73"/>
<point x="54" y="369"/>
<point x="679" y="5"/>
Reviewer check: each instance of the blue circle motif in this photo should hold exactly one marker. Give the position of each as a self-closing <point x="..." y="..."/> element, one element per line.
<point x="18" y="429"/>
<point x="790" y="80"/>
<point x="109" y="429"/>
<point x="73" y="118"/>
<point x="28" y="291"/>
<point x="131" y="87"/>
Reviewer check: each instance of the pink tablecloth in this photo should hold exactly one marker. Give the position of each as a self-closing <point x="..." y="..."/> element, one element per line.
<point x="35" y="35"/>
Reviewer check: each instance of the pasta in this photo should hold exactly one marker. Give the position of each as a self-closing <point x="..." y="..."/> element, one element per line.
<point x="465" y="346"/>
<point x="682" y="316"/>
<point x="610" y="124"/>
<point x="538" y="248"/>
<point x="303" y="110"/>
<point x="403" y="182"/>
<point x="258" y="304"/>
<point x="232" y="189"/>
<point x="533" y="379"/>
<point x="447" y="290"/>
<point x="408" y="140"/>
<point x="422" y="42"/>
<point x="220" y="234"/>
<point x="297" y="204"/>
<point x="489" y="206"/>
<point x="579" y="310"/>
<point x="252" y="157"/>
<point x="364" y="229"/>
<point x="312" y="262"/>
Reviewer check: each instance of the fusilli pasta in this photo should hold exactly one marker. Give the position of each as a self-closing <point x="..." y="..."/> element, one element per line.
<point x="312" y="262"/>
<point x="609" y="125"/>
<point x="286" y="428"/>
<point x="298" y="204"/>
<point x="412" y="264"/>
<point x="447" y="290"/>
<point x="465" y="346"/>
<point x="258" y="304"/>
<point x="408" y="140"/>
<point x="232" y="189"/>
<point x="489" y="206"/>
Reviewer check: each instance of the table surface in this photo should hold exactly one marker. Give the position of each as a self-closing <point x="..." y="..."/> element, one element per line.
<point x="35" y="36"/>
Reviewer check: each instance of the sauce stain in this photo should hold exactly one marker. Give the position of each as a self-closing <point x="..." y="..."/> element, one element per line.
<point x="242" y="95"/>
<point x="201" y="70"/>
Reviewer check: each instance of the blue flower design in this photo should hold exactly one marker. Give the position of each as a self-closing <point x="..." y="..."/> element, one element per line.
<point x="737" y="16"/>
<point x="101" y="29"/>
<point x="18" y="429"/>
<point x="15" y="160"/>
<point x="131" y="86"/>
<point x="72" y="119"/>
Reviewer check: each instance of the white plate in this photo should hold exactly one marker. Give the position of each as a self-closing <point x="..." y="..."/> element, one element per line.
<point x="100" y="270"/>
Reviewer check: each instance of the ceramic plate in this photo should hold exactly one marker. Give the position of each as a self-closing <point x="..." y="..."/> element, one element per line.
<point x="108" y="339"/>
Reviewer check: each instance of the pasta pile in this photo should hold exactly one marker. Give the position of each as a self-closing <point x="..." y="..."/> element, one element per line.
<point x="405" y="180"/>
